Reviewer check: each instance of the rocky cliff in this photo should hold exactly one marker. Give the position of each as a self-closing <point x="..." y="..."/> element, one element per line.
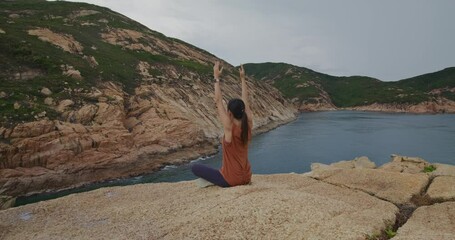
<point x="345" y="200"/>
<point x="309" y="90"/>
<point x="437" y="105"/>
<point x="88" y="95"/>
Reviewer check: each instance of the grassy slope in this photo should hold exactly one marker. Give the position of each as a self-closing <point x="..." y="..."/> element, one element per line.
<point x="354" y="90"/>
<point x="20" y="51"/>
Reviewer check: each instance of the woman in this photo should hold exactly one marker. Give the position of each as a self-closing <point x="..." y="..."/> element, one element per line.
<point x="237" y="123"/>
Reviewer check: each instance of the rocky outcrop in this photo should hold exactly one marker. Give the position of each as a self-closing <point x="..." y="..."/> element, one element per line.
<point x="405" y="181"/>
<point x="285" y="206"/>
<point x="71" y="72"/>
<point x="440" y="105"/>
<point x="108" y="132"/>
<point x="122" y="135"/>
<point x="405" y="164"/>
<point x="46" y="91"/>
<point x="64" y="41"/>
<point x="411" y="183"/>
<point x="323" y="103"/>
<point x="351" y="202"/>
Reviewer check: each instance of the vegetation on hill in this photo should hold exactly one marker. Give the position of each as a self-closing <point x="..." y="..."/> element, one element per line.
<point x="304" y="84"/>
<point x="29" y="63"/>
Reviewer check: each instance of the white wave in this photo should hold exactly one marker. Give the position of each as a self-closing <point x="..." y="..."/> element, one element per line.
<point x="201" y="159"/>
<point x="168" y="167"/>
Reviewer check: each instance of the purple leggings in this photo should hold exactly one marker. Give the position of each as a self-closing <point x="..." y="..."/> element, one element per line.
<point x="212" y="175"/>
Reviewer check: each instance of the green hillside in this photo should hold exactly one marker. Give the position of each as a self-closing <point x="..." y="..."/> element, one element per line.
<point x="306" y="84"/>
<point x="22" y="53"/>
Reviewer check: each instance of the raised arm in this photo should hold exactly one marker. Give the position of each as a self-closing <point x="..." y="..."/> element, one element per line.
<point x="222" y="114"/>
<point x="245" y="96"/>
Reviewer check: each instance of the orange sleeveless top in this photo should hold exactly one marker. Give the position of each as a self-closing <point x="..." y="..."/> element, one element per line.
<point x="236" y="168"/>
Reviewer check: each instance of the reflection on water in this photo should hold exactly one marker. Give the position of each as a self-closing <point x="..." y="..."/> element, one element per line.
<point x="324" y="137"/>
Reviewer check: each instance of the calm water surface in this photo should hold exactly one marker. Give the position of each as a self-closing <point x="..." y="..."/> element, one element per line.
<point x="323" y="137"/>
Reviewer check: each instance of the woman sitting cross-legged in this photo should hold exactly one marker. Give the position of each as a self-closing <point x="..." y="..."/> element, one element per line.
<point x="237" y="122"/>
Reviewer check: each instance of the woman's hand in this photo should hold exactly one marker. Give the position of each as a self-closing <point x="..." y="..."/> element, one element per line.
<point x="242" y="72"/>
<point x="217" y="71"/>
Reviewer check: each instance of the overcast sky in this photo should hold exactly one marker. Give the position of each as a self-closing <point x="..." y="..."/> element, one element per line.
<point x="386" y="39"/>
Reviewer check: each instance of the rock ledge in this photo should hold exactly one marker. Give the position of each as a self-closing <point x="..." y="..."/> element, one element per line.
<point x="328" y="203"/>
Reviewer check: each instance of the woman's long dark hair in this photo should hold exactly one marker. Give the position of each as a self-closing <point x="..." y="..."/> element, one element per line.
<point x="237" y="108"/>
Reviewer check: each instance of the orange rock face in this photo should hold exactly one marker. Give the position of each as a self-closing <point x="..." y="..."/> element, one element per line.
<point x="124" y="135"/>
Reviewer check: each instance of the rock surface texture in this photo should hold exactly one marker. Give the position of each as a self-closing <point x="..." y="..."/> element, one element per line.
<point x="280" y="206"/>
<point x="430" y="222"/>
<point x="442" y="188"/>
<point x="394" y="187"/>
<point x="287" y="206"/>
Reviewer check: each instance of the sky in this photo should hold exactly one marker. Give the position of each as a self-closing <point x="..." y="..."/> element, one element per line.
<point x="386" y="39"/>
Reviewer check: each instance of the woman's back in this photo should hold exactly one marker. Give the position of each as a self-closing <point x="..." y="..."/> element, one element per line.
<point x="236" y="168"/>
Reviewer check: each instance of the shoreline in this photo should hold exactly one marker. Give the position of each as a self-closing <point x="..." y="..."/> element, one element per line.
<point x="377" y="111"/>
<point x="175" y="158"/>
<point x="160" y="162"/>
<point x="434" y="106"/>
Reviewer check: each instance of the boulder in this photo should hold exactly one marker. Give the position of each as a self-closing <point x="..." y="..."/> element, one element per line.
<point x="442" y="188"/>
<point x="358" y="162"/>
<point x="17" y="105"/>
<point x="14" y="15"/>
<point x="363" y="162"/>
<point x="405" y="164"/>
<point x="64" y="104"/>
<point x="91" y="60"/>
<point x="46" y="91"/>
<point x="282" y="206"/>
<point x="433" y="222"/>
<point x="3" y="94"/>
<point x="417" y="160"/>
<point x="41" y="114"/>
<point x="49" y="101"/>
<point x="76" y="74"/>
